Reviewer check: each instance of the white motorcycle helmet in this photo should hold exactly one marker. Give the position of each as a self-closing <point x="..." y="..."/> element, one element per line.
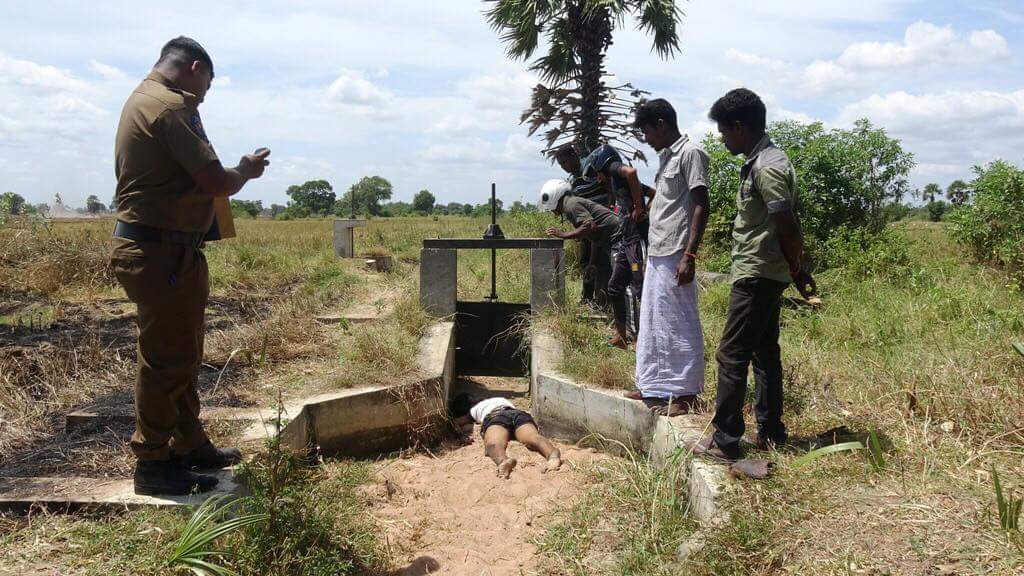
<point x="551" y="193"/>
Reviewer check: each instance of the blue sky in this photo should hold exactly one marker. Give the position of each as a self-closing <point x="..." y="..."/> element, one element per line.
<point x="422" y="93"/>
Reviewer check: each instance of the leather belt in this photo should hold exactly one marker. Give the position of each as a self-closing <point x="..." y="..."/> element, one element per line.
<point x="143" y="233"/>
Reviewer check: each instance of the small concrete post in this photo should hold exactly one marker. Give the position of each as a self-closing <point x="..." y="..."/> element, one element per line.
<point x="438" y="275"/>
<point x="547" y="278"/>
<point x="344" y="237"/>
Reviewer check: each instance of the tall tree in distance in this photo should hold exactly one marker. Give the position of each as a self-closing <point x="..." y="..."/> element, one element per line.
<point x="423" y="201"/>
<point x="369" y="192"/>
<point x="930" y="192"/>
<point x="316" y="196"/>
<point x="958" y="192"/>
<point x="574" y="97"/>
<point x="93" y="205"/>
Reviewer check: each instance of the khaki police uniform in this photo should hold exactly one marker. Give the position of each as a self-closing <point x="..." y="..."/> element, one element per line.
<point x="160" y="143"/>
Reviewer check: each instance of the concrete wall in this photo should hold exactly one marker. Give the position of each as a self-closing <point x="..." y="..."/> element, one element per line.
<point x="569" y="411"/>
<point x="370" y="421"/>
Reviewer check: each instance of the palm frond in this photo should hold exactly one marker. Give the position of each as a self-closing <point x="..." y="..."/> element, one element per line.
<point x="660" y="19"/>
<point x="206" y="525"/>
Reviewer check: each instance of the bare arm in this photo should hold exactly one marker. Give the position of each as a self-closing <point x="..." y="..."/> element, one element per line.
<point x="686" y="271"/>
<point x="586" y="230"/>
<point x="635" y="191"/>
<point x="791" y="239"/>
<point x="216" y="180"/>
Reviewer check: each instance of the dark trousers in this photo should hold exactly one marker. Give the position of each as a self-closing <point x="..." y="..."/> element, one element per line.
<point x="169" y="283"/>
<point x="627" y="270"/>
<point x="595" y="288"/>
<point x="751" y="336"/>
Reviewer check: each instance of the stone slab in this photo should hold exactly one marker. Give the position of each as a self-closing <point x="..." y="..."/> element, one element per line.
<point x="73" y="493"/>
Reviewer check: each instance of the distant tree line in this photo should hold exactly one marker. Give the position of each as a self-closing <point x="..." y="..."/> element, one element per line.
<point x="369" y="197"/>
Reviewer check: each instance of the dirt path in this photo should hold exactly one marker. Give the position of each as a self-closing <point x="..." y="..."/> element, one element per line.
<point x="455" y="510"/>
<point x="451" y="510"/>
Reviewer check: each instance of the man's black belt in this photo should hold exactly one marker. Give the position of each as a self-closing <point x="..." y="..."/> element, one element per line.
<point x="143" y="233"/>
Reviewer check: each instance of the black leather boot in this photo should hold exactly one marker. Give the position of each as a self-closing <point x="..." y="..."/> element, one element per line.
<point x="207" y="457"/>
<point x="170" y="478"/>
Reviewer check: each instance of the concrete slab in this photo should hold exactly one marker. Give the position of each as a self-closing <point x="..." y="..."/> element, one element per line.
<point x="344" y="237"/>
<point x="125" y="414"/>
<point x="352" y="319"/>
<point x="73" y="493"/>
<point x="370" y="421"/>
<point x="708" y="278"/>
<point x="547" y="279"/>
<point x="438" y="281"/>
<point x="570" y="411"/>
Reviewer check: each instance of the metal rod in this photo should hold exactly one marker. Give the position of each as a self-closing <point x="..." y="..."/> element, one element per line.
<point x="494" y="253"/>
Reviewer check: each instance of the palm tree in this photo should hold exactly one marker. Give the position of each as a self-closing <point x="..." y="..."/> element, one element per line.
<point x="573" y="93"/>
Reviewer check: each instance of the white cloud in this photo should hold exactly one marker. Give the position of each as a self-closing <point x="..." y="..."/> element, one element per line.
<point x="754" y="60"/>
<point x="352" y="87"/>
<point x="499" y="91"/>
<point x="948" y="130"/>
<point x="976" y="111"/>
<point x="28" y="73"/>
<point x="927" y="44"/>
<point x="924" y="45"/>
<point x="824" y="75"/>
<point x="107" y="71"/>
<point x="222" y="81"/>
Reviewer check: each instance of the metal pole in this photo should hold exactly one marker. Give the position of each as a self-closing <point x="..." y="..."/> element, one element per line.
<point x="494" y="253"/>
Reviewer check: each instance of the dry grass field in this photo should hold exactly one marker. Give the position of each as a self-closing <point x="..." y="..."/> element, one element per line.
<point x="918" y="352"/>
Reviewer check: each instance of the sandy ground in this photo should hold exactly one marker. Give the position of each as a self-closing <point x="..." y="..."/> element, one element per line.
<point x="452" y="515"/>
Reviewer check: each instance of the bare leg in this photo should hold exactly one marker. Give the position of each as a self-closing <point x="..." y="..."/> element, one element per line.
<point x="620" y="340"/>
<point x="531" y="438"/>
<point x="495" y="442"/>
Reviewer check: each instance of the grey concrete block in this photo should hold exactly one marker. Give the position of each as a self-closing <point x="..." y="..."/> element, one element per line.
<point x="344" y="237"/>
<point x="547" y="278"/>
<point x="438" y="276"/>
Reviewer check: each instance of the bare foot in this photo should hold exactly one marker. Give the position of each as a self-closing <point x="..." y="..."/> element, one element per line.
<point x="618" y="343"/>
<point x="634" y="395"/>
<point x="554" y="462"/>
<point x="505" y="468"/>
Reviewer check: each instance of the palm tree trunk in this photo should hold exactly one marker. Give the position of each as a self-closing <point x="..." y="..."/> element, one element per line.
<point x="592" y="29"/>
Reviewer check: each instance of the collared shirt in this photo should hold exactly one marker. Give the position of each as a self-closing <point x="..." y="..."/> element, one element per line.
<point x="767" y="187"/>
<point x="580" y="210"/>
<point x="160" y="144"/>
<point x="683" y="167"/>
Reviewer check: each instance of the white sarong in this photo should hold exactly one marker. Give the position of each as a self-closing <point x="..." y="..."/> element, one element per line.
<point x="670" y="346"/>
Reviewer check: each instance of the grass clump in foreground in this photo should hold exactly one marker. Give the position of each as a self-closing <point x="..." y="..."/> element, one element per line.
<point x="629" y="519"/>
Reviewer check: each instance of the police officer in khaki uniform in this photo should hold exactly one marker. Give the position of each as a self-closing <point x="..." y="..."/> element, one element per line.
<point x="168" y="176"/>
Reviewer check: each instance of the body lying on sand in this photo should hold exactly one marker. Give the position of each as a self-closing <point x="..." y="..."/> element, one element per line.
<point x="501" y="422"/>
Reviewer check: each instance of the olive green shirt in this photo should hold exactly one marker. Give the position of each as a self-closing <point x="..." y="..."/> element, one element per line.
<point x="767" y="187"/>
<point x="580" y="210"/>
<point x="160" y="144"/>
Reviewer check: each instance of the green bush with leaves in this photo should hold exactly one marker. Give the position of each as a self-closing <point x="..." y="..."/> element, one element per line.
<point x="845" y="177"/>
<point x="992" y="227"/>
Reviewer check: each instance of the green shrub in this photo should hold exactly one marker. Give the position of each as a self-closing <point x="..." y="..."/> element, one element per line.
<point x="862" y="253"/>
<point x="992" y="227"/>
<point x="936" y="209"/>
<point x="845" y="180"/>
